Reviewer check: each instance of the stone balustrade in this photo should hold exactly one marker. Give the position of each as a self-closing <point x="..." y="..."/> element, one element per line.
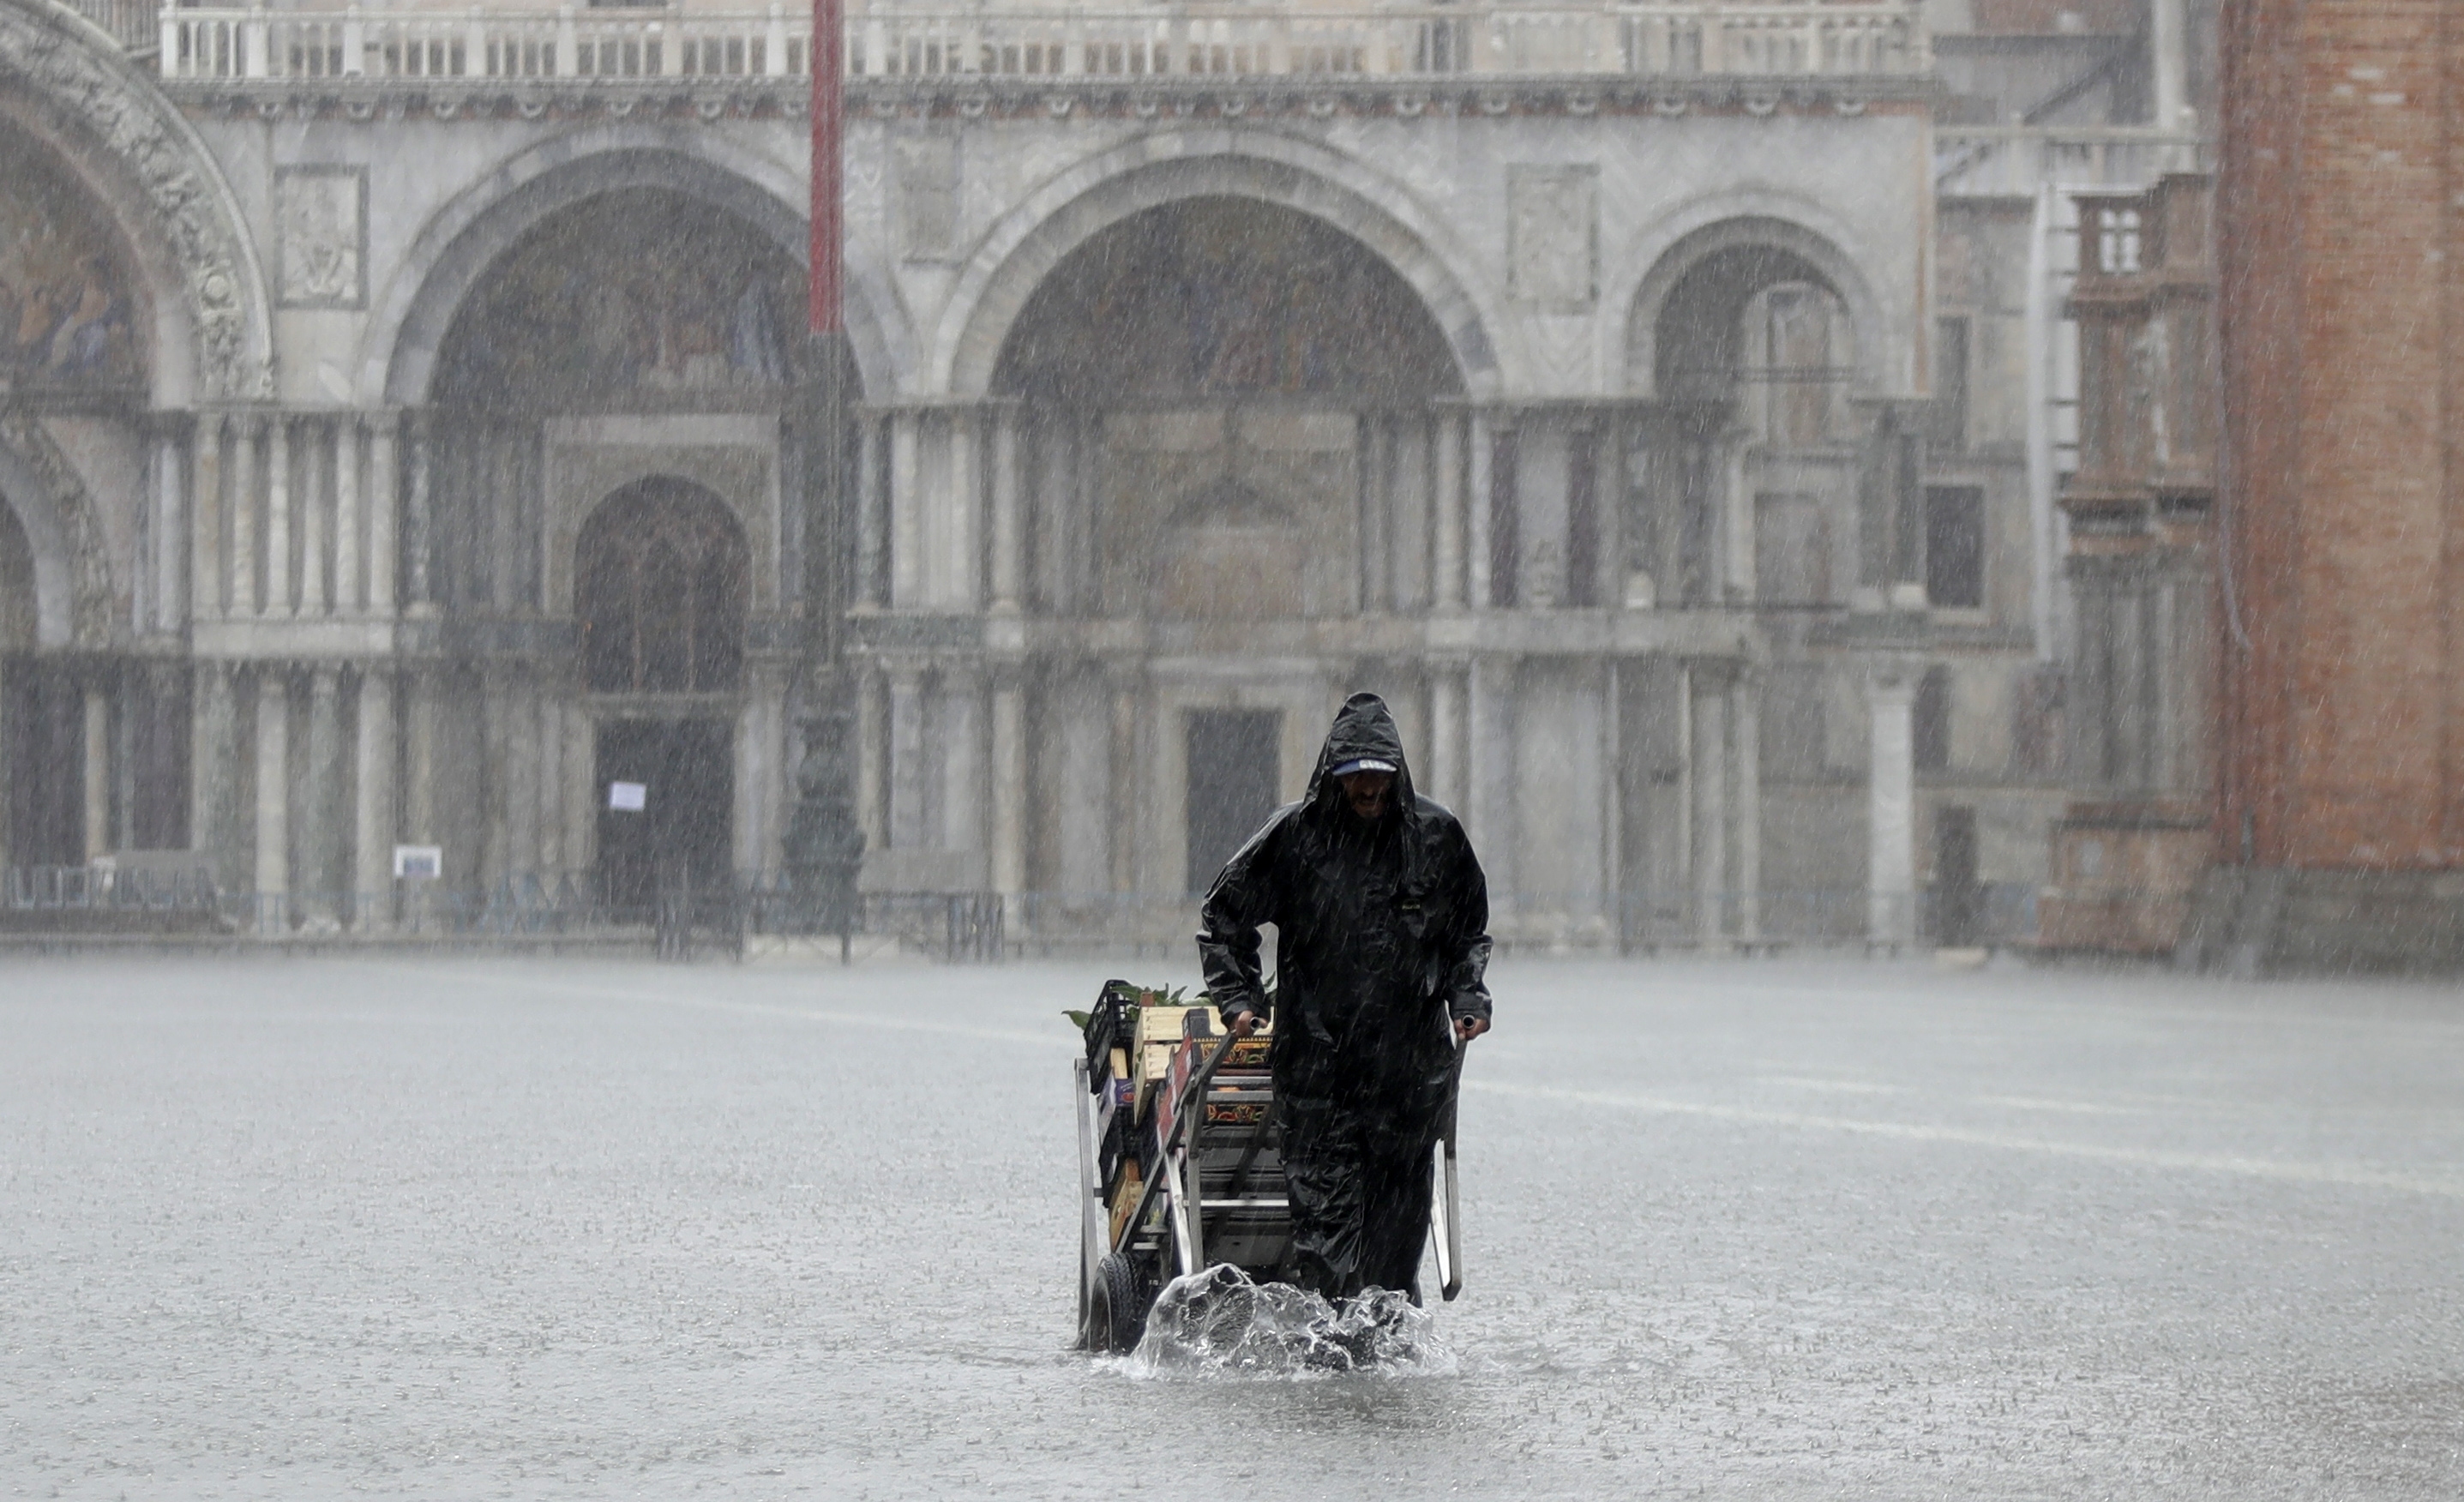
<point x="1856" y="38"/>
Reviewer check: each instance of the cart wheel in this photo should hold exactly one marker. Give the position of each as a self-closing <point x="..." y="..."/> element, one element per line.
<point x="1119" y="1317"/>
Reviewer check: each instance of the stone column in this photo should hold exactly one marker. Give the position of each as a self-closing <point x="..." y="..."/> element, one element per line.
<point x="1127" y="781"/>
<point x="1745" y="726"/>
<point x="551" y="752"/>
<point x="961" y="563"/>
<point x="1009" y="535"/>
<point x="871" y="786"/>
<point x="580" y="789"/>
<point x="1446" y="490"/>
<point x="906" y="757"/>
<point x="1890" y="807"/>
<point x="278" y="599"/>
<point x="321" y="842"/>
<point x="383" y="496"/>
<point x="418" y="535"/>
<point x="871" y="517"/>
<point x="1737" y="516"/>
<point x="1009" y="788"/>
<point x="1477" y="585"/>
<point x="169" y="517"/>
<point x="213" y="749"/>
<point x="906" y="512"/>
<point x="961" y="734"/>
<point x="1711" y="754"/>
<point x="273" y="878"/>
<point x="512" y="749"/>
<point x="350" y="519"/>
<point x="206" y="521"/>
<point x="1445" y="757"/>
<point x="317" y="519"/>
<point x="372" y="823"/>
<point x="97" y="701"/>
<point x="1490" y="761"/>
<point x="244" y="594"/>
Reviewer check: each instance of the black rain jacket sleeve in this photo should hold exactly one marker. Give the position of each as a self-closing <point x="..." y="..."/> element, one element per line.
<point x="1400" y="917"/>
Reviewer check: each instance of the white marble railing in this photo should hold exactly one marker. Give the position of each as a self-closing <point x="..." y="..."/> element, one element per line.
<point x="1830" y="38"/>
<point x="133" y="24"/>
<point x="2000" y="161"/>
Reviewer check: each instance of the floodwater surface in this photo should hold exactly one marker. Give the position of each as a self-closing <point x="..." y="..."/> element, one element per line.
<point x="1774" y="1229"/>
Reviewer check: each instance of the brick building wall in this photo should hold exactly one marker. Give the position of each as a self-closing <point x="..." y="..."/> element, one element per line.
<point x="2342" y="308"/>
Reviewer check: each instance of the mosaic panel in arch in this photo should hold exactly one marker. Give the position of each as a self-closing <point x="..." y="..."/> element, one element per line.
<point x="635" y="297"/>
<point x="1225" y="297"/>
<point x="68" y="316"/>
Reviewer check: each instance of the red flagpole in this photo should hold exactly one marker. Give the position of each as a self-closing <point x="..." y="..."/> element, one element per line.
<point x="827" y="54"/>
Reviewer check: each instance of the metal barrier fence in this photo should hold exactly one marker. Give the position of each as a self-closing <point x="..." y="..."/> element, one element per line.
<point x="683" y="919"/>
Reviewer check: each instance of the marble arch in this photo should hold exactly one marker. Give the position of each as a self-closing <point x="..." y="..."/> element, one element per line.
<point x="1657" y="262"/>
<point x="69" y="84"/>
<point x="408" y="320"/>
<point x="73" y="596"/>
<point x="1023" y="245"/>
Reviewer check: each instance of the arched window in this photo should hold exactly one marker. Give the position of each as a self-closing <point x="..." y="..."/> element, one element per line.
<point x="661" y="593"/>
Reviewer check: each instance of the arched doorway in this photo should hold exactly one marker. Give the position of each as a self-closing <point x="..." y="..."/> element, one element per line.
<point x="1250" y="391"/>
<point x="660" y="600"/>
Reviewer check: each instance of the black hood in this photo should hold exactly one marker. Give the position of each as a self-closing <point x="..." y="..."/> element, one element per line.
<point x="1364" y="727"/>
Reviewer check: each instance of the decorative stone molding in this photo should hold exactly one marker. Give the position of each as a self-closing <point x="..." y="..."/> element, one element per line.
<point x="1248" y="99"/>
<point x="76" y="69"/>
<point x="90" y="601"/>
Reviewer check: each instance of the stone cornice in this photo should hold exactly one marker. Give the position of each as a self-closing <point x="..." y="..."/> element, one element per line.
<point x="78" y="71"/>
<point x="714" y="100"/>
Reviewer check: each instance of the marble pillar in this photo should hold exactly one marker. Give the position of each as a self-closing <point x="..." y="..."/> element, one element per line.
<point x="1890" y="808"/>
<point x="871" y="765"/>
<point x="906" y="757"/>
<point x="1446" y="549"/>
<point x="372" y="825"/>
<point x="243" y="592"/>
<point x="169" y="532"/>
<point x="1745" y="740"/>
<point x="350" y="519"/>
<point x="1009" y="788"/>
<point x="278" y="597"/>
<point x="379" y="502"/>
<point x="206" y="521"/>
<point x="1712" y="756"/>
<point x="1489" y="767"/>
<point x="1127" y="783"/>
<point x="418" y="538"/>
<point x="316" y="518"/>
<point x="273" y="875"/>
<point x="97" y="704"/>
<point x="960" y="586"/>
<point x="871" y="519"/>
<point x="320" y="841"/>
<point x="422" y="753"/>
<point x="1480" y="589"/>
<point x="213" y="770"/>
<point x="1010" y="537"/>
<point x="906" y="512"/>
<point x="960" y="734"/>
<point x="1445" y="754"/>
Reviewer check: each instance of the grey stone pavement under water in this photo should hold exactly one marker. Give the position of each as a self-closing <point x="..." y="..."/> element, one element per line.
<point x="482" y="1228"/>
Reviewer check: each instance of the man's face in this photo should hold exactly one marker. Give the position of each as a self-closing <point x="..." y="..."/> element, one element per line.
<point x="1367" y="792"/>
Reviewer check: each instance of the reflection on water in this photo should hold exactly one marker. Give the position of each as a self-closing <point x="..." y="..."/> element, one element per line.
<point x="1219" y="1324"/>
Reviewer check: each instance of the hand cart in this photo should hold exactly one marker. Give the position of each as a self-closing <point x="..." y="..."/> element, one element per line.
<point x="1181" y="1164"/>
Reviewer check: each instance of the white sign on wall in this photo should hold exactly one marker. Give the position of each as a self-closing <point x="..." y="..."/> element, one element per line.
<point x="629" y="797"/>
<point x="418" y="862"/>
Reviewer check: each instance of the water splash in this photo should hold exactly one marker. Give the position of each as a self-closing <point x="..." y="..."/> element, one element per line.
<point x="1220" y="1323"/>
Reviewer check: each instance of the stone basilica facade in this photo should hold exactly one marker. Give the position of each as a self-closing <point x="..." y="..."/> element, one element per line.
<point x="403" y="437"/>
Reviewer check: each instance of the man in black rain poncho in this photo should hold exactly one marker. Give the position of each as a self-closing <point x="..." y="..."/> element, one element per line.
<point x="1381" y="919"/>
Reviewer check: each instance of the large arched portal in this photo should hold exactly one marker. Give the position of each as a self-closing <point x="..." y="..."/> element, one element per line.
<point x="1235" y="410"/>
<point x="660" y="599"/>
<point x="616" y="511"/>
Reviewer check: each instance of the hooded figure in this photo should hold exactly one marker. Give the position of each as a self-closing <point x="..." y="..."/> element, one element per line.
<point x="1381" y="939"/>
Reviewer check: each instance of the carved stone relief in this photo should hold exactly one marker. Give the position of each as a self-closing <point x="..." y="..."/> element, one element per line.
<point x="90" y="610"/>
<point x="190" y="206"/>
<point x="1552" y="236"/>
<point x="323" y="215"/>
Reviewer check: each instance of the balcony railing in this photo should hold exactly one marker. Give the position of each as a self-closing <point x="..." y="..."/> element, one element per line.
<point x="1802" y="39"/>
